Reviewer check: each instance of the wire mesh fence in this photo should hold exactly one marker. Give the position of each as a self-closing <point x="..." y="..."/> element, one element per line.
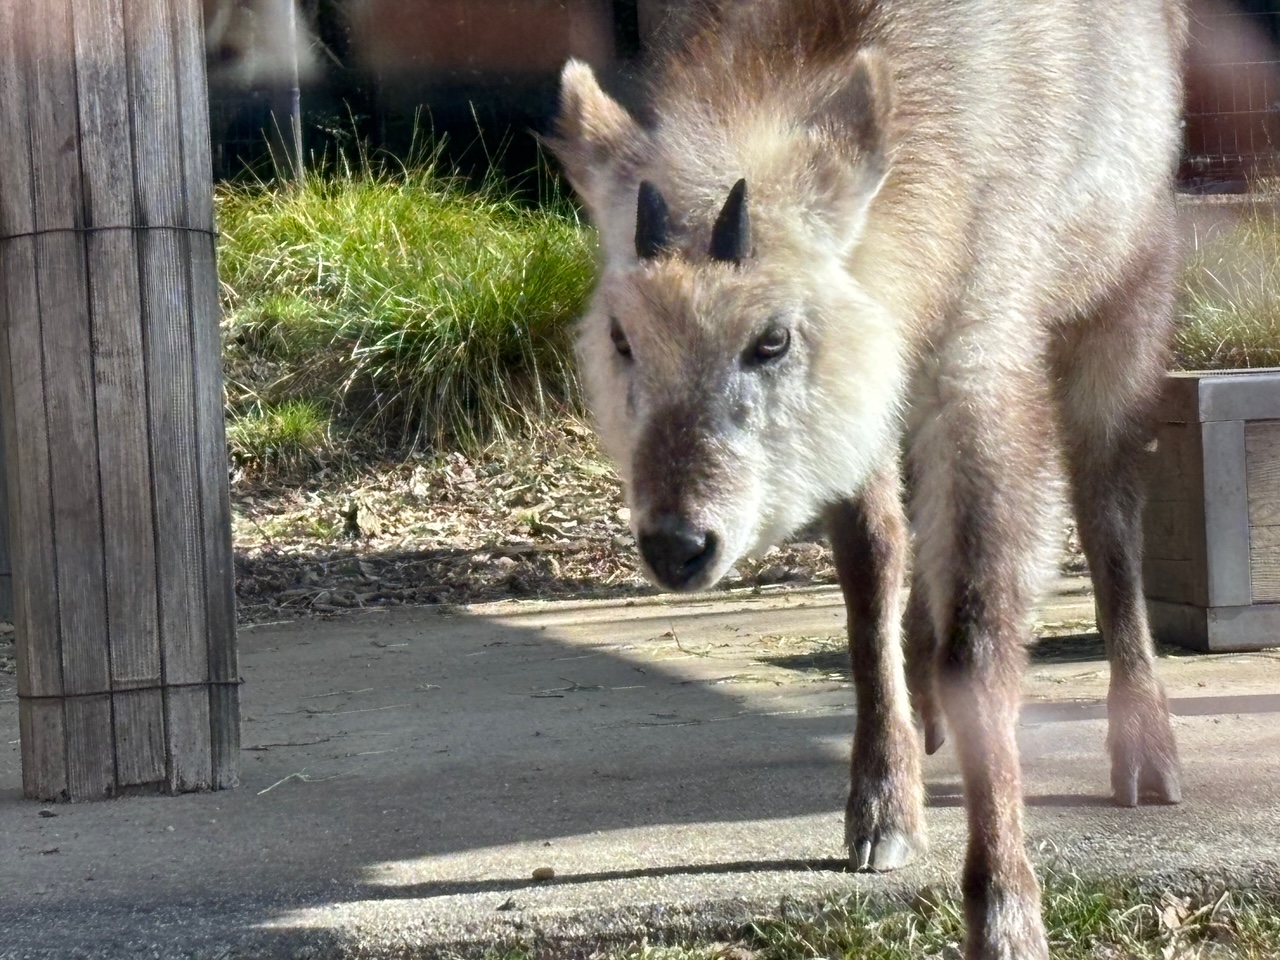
<point x="1233" y="94"/>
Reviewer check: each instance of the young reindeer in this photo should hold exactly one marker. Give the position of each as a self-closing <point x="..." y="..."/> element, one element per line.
<point x="854" y="227"/>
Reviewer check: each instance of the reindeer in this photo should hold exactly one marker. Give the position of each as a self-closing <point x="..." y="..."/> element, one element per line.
<point x="846" y="228"/>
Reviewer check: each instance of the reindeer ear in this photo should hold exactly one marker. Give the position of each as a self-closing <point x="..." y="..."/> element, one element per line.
<point x="850" y="133"/>
<point x="593" y="132"/>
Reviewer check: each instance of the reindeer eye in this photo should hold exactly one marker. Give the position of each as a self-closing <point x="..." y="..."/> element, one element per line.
<point x="770" y="345"/>
<point x="619" y="338"/>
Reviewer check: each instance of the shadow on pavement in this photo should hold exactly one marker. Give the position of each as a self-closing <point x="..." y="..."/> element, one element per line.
<point x="419" y="754"/>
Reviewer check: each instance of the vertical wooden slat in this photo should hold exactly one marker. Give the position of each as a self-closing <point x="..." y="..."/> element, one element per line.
<point x="166" y="272"/>
<point x="42" y="727"/>
<point x="140" y="740"/>
<point x="91" y="769"/>
<point x="66" y="343"/>
<point x="44" y="769"/>
<point x="120" y="387"/>
<point x="215" y="496"/>
<point x="6" y="554"/>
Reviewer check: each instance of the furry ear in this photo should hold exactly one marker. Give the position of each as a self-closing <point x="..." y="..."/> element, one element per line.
<point x="850" y="131"/>
<point x="593" y="134"/>
<point x="862" y="108"/>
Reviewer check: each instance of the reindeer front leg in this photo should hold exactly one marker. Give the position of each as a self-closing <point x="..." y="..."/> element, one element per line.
<point x="884" y="820"/>
<point x="983" y="512"/>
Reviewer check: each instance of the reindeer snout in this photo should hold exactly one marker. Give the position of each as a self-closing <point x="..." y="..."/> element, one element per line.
<point x="676" y="552"/>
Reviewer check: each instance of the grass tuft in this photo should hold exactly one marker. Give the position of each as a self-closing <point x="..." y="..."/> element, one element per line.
<point x="421" y="310"/>
<point x="1085" y="920"/>
<point x="285" y="438"/>
<point x="1229" y="304"/>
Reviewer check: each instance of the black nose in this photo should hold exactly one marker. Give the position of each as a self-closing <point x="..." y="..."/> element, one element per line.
<point x="676" y="552"/>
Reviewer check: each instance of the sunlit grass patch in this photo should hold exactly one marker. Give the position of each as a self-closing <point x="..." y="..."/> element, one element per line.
<point x="422" y="309"/>
<point x="283" y="437"/>
<point x="1086" y="919"/>
<point x="1229" y="302"/>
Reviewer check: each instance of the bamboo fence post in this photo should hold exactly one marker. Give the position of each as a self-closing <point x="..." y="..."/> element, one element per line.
<point x="111" y="401"/>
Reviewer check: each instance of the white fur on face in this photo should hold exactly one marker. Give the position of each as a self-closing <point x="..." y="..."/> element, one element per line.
<point x="774" y="444"/>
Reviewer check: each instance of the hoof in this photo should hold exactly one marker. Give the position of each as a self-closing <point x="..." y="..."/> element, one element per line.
<point x="1144" y="757"/>
<point x="891" y="850"/>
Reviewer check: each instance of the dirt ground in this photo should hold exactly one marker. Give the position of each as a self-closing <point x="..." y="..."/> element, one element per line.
<point x="546" y="520"/>
<point x="542" y="521"/>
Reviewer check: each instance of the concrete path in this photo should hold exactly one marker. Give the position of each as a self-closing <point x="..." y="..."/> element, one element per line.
<point x="677" y="765"/>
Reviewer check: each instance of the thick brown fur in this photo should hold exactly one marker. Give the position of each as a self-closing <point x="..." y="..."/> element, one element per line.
<point x="959" y="246"/>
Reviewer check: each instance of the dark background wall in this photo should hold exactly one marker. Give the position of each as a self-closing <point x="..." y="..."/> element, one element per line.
<point x="384" y="72"/>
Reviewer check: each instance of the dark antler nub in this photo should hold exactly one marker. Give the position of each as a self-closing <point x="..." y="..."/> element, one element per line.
<point x="731" y="235"/>
<point x="653" y="223"/>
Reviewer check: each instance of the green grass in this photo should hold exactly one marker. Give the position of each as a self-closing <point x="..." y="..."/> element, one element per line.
<point x="286" y="437"/>
<point x="1085" y="920"/>
<point x="408" y="306"/>
<point x="374" y="306"/>
<point x="1229" y="306"/>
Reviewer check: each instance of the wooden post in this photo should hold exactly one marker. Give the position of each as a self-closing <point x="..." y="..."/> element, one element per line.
<point x="111" y="401"/>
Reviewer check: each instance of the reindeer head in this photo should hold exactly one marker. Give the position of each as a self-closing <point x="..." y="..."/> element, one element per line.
<point x="740" y="375"/>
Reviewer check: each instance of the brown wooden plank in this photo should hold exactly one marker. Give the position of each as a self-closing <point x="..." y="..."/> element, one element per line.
<point x="139" y="714"/>
<point x="1180" y="400"/>
<point x="77" y="518"/>
<point x="209" y="401"/>
<point x="91" y="771"/>
<point x="125" y="483"/>
<point x="42" y="730"/>
<point x="157" y="122"/>
<point x="120" y="382"/>
<point x="166" y="296"/>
